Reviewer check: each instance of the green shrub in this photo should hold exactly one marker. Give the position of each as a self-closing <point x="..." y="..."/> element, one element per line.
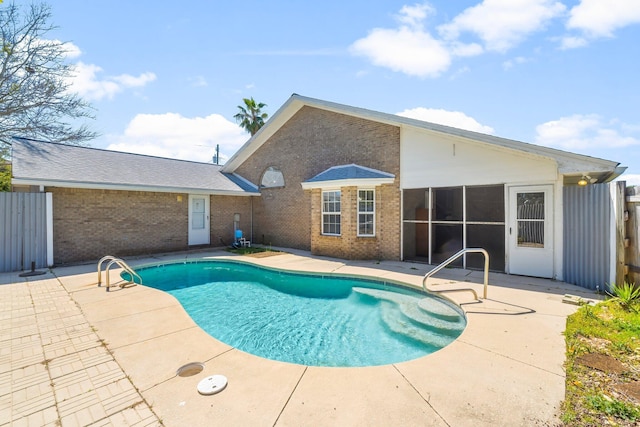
<point x="627" y="294"/>
<point x="614" y="407"/>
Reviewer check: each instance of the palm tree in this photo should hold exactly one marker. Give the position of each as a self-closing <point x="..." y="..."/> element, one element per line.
<point x="250" y="117"/>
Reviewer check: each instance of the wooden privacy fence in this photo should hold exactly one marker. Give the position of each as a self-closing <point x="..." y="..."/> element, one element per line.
<point x="23" y="231"/>
<point x="632" y="235"/>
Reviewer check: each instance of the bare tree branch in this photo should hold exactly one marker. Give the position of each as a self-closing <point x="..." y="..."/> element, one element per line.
<point x="35" y="100"/>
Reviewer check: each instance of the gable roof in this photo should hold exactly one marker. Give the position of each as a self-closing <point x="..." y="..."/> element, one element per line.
<point x="60" y="165"/>
<point x="568" y="163"/>
<point x="349" y="175"/>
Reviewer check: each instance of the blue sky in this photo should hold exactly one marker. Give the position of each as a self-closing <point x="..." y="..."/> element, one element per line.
<point x="166" y="77"/>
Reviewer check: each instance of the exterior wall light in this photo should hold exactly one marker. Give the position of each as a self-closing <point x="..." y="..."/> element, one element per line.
<point x="586" y="179"/>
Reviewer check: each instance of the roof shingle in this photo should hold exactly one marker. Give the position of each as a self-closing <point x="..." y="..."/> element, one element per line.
<point x="351" y="171"/>
<point x="49" y="163"/>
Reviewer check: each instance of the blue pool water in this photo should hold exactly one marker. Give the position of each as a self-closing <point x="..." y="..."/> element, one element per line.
<point x="308" y="319"/>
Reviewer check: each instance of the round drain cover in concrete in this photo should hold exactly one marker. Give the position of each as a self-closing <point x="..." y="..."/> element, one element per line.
<point x="212" y="384"/>
<point x="190" y="369"/>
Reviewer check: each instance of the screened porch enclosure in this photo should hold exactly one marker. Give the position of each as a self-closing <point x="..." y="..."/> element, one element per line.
<point x="438" y="222"/>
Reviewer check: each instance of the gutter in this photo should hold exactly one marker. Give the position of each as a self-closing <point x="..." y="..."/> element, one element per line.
<point x="125" y="187"/>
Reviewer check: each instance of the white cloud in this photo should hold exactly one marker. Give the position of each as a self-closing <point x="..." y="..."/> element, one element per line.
<point x="175" y="136"/>
<point x="415" y="51"/>
<point x="584" y="132"/>
<point x="509" y="64"/>
<point x="85" y="80"/>
<point x="67" y="49"/>
<point x="413" y="16"/>
<point x="460" y="72"/>
<point x="412" y="52"/>
<point x="455" y="119"/>
<point x="465" y="49"/>
<point x="86" y="84"/>
<point x="408" y="49"/>
<point x="502" y="24"/>
<point x="198" y="81"/>
<point x="571" y="42"/>
<point x="71" y="50"/>
<point x="91" y="87"/>
<point x="127" y="80"/>
<point x="600" y="18"/>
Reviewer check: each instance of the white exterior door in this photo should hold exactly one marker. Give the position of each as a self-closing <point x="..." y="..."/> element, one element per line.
<point x="199" y="219"/>
<point x="530" y="233"/>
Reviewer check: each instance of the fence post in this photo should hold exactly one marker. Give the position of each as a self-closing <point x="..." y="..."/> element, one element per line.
<point x="632" y="247"/>
<point x="618" y="189"/>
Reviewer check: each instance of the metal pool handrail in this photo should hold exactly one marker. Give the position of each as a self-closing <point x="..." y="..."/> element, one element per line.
<point x="455" y="257"/>
<point x="113" y="260"/>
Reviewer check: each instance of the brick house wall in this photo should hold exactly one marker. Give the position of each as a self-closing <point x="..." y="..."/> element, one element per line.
<point x="89" y="224"/>
<point x="384" y="245"/>
<point x="312" y="141"/>
<point x="223" y="209"/>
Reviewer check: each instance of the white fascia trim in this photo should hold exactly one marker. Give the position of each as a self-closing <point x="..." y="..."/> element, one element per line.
<point x="362" y="182"/>
<point x="124" y="187"/>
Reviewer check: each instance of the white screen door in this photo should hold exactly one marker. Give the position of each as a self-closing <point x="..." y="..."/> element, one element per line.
<point x="198" y="220"/>
<point x="530" y="231"/>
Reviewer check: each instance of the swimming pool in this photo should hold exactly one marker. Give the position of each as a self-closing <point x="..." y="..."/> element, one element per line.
<point x="308" y="319"/>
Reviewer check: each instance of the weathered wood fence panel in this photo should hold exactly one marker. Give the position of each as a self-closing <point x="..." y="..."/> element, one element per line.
<point x="632" y="236"/>
<point x="23" y="231"/>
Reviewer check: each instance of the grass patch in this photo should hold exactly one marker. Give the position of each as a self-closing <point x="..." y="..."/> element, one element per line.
<point x="613" y="408"/>
<point x="254" y="250"/>
<point x="600" y="395"/>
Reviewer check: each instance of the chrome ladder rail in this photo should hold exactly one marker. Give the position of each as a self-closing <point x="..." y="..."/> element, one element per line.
<point x="455" y="257"/>
<point x="113" y="260"/>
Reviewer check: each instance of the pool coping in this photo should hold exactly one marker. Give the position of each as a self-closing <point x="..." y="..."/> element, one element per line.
<point x="445" y="326"/>
<point x="91" y="356"/>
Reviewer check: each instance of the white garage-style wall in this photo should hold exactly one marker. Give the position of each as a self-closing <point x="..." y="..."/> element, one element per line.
<point x="439" y="160"/>
<point x="431" y="159"/>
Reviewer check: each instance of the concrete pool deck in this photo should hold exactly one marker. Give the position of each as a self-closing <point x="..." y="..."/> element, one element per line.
<point x="72" y="354"/>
